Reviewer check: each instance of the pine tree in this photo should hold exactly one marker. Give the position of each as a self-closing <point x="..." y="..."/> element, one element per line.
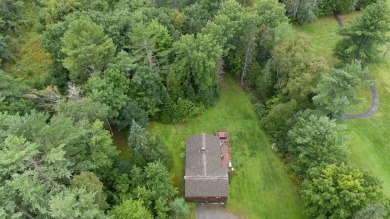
<point x="363" y="38"/>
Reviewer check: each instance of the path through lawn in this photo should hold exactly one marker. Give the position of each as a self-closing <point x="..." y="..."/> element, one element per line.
<point x="368" y="138"/>
<point x="260" y="186"/>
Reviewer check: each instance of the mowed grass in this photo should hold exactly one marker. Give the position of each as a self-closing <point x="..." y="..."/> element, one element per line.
<point x="369" y="138"/>
<point x="260" y="186"/>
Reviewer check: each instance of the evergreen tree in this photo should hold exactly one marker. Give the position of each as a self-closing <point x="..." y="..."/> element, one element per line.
<point x="87" y="49"/>
<point x="367" y="32"/>
<point x="315" y="140"/>
<point x="339" y="89"/>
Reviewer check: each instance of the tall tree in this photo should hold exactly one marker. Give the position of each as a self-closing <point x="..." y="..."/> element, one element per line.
<point x="146" y="150"/>
<point x="271" y="14"/>
<point x="248" y="39"/>
<point x="366" y="33"/>
<point x="276" y="123"/>
<point x="84" y="108"/>
<point x="131" y="209"/>
<point x="111" y="89"/>
<point x="297" y="69"/>
<point x="301" y="11"/>
<point x="12" y="17"/>
<point x="37" y="159"/>
<point x="87" y="49"/>
<point x="195" y="66"/>
<point x="339" y="191"/>
<point x="91" y="183"/>
<point x="13" y="97"/>
<point x="150" y="44"/>
<point x="156" y="192"/>
<point x="75" y="203"/>
<point x="339" y="89"/>
<point x="315" y="140"/>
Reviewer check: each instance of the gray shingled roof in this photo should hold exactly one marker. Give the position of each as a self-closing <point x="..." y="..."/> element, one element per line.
<point x="205" y="175"/>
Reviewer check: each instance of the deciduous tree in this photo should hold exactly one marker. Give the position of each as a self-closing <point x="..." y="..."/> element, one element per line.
<point x="339" y="191"/>
<point x="131" y="209"/>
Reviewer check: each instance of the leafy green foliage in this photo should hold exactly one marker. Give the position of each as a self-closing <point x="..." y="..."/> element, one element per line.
<point x="372" y="211"/>
<point x="328" y="7"/>
<point x="13" y="95"/>
<point x="12" y="18"/>
<point x="275" y="124"/>
<point x="339" y="89"/>
<point x="131" y="209"/>
<point x="145" y="150"/>
<point x="339" y="191"/>
<point x="362" y="39"/>
<point x="146" y="88"/>
<point x="54" y="11"/>
<point x="198" y="14"/>
<point x="150" y="44"/>
<point x="298" y="71"/>
<point x="195" y="64"/>
<point x="156" y="191"/>
<point x="315" y="140"/>
<point x="272" y="15"/>
<point x="88" y="50"/>
<point x="5" y="53"/>
<point x="179" y="208"/>
<point x="91" y="183"/>
<point x="361" y="4"/>
<point x="84" y="108"/>
<point x="110" y="89"/>
<point x="131" y="111"/>
<point x="180" y="111"/>
<point x="301" y="11"/>
<point x="87" y="145"/>
<point x="44" y="152"/>
<point x="75" y="203"/>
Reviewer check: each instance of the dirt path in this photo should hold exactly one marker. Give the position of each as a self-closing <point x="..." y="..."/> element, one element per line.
<point x="374" y="95"/>
<point x="213" y="211"/>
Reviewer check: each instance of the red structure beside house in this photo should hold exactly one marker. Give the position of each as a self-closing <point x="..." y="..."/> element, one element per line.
<point x="225" y="150"/>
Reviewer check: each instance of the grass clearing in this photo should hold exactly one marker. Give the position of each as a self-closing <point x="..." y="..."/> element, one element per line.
<point x="368" y="138"/>
<point x="260" y="186"/>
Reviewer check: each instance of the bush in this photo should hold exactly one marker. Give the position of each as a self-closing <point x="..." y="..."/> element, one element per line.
<point x="180" y="111"/>
<point x="261" y="110"/>
<point x="328" y="7"/>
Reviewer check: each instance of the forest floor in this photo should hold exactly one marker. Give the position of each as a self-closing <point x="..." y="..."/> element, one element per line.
<point x="260" y="186"/>
<point x="369" y="137"/>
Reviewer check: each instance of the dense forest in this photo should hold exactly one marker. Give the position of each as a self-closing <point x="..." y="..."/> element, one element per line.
<point x="118" y="64"/>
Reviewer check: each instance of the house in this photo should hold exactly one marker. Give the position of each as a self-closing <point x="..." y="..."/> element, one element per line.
<point x="206" y="178"/>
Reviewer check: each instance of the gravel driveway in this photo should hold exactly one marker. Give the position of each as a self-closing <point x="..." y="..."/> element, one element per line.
<point x="213" y="211"/>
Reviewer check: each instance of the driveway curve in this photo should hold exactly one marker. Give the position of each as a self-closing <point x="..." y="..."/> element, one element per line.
<point x="374" y="95"/>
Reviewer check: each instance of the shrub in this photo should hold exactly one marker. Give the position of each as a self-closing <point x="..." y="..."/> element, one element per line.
<point x="180" y="111"/>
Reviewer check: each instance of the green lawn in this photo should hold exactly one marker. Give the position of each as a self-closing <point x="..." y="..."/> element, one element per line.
<point x="260" y="186"/>
<point x="368" y="138"/>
